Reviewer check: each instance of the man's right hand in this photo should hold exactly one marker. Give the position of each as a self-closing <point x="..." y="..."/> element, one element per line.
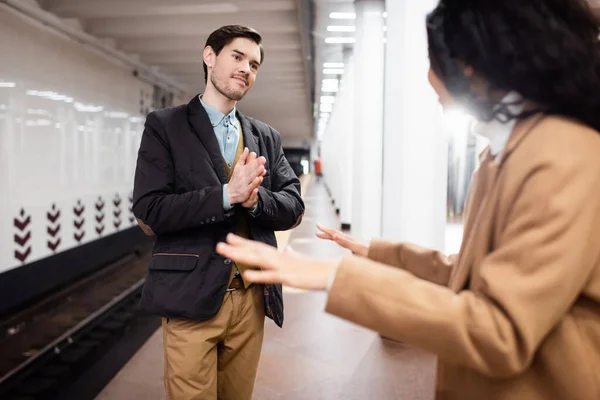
<point x="346" y="241"/>
<point x="247" y="175"/>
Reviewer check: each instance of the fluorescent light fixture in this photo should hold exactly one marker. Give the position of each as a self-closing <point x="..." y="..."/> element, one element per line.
<point x="329" y="81"/>
<point x="87" y="108"/>
<point x="50" y="95"/>
<point x="341" y="28"/>
<point x="337" y="40"/>
<point x="36" y="111"/>
<point x="340" y="15"/>
<point x="326" y="107"/>
<point x="7" y="84"/>
<point x="333" y="71"/>
<point x="333" y="65"/>
<point x="116" y="114"/>
<point x="327" y="99"/>
<point x="384" y="14"/>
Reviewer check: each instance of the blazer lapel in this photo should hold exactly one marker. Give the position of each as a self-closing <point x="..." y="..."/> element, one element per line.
<point x="201" y="125"/>
<point x="477" y="223"/>
<point x="250" y="141"/>
<point x="478" y="227"/>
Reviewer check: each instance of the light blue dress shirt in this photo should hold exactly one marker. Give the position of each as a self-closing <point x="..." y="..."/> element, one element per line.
<point x="227" y="130"/>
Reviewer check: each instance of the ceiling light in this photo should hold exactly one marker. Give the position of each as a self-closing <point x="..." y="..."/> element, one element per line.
<point x="384" y="14"/>
<point x="333" y="65"/>
<point x="333" y="71"/>
<point x="340" y="40"/>
<point x="346" y="28"/>
<point x="339" y="15"/>
<point x="7" y="84"/>
<point x="327" y="99"/>
<point x="326" y="107"/>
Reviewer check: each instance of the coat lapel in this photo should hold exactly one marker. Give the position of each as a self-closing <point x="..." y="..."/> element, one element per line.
<point x="250" y="141"/>
<point x="201" y="125"/>
<point x="479" y="221"/>
<point x="476" y="224"/>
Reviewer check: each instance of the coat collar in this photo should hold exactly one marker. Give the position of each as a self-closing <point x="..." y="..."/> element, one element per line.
<point x="202" y="126"/>
<point x="483" y="182"/>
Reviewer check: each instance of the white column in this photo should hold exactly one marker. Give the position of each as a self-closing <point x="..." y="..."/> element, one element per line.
<point x="346" y="139"/>
<point x="368" y="119"/>
<point x="415" y="147"/>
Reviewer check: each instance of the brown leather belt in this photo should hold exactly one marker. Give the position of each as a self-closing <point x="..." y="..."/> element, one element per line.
<point x="236" y="283"/>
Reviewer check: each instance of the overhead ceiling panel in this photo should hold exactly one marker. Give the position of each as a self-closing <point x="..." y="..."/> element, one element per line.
<point x="170" y="36"/>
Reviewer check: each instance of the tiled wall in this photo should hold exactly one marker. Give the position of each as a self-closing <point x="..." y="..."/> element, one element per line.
<point x="70" y="126"/>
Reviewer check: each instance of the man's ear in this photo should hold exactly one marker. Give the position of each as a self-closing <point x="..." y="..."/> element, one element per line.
<point x="209" y="56"/>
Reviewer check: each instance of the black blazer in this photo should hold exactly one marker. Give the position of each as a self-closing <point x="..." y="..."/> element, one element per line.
<point x="178" y="194"/>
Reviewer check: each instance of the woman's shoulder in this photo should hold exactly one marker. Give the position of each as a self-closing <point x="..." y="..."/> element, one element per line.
<point x="560" y="140"/>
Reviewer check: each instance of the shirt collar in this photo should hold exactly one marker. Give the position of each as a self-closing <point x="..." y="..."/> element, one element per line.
<point x="216" y="117"/>
<point x="496" y="131"/>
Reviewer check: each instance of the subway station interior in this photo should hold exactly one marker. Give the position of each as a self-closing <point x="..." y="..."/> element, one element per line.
<point x="355" y="140"/>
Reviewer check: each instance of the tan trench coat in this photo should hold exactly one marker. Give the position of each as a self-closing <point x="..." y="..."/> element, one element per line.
<point x="516" y="314"/>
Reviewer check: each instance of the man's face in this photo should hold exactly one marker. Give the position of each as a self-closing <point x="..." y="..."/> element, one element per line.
<point x="233" y="71"/>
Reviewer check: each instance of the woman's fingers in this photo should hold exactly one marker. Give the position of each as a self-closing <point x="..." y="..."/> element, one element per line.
<point x="329" y="231"/>
<point x="262" y="276"/>
<point x="248" y="252"/>
<point x="324" y="236"/>
<point x="235" y="239"/>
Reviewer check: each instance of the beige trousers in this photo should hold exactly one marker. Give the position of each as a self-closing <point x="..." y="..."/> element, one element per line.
<point x="218" y="358"/>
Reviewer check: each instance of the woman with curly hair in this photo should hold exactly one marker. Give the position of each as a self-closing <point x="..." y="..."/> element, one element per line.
<point x="516" y="314"/>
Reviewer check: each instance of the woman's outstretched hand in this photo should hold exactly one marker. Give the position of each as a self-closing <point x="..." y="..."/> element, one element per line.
<point x="286" y="267"/>
<point x="348" y="242"/>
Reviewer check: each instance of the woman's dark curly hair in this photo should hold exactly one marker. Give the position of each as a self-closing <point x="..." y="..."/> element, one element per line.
<point x="546" y="50"/>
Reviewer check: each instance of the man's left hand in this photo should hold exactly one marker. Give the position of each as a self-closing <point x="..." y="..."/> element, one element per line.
<point x="252" y="200"/>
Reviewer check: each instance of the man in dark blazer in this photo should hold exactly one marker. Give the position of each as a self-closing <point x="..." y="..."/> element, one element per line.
<point x="205" y="170"/>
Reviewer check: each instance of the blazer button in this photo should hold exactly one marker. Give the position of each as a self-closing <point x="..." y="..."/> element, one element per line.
<point x="227" y="261"/>
<point x="207" y="220"/>
<point x="214" y="219"/>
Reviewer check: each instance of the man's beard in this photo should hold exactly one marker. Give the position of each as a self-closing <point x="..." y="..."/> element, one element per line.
<point x="226" y="90"/>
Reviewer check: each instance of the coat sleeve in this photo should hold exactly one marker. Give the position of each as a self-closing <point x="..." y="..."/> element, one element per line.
<point x="280" y="208"/>
<point x="431" y="265"/>
<point x="155" y="204"/>
<point x="428" y="264"/>
<point x="529" y="281"/>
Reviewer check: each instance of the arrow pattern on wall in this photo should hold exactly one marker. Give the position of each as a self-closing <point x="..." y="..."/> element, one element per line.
<point x="99" y="215"/>
<point x="78" y="221"/>
<point x="117" y="211"/>
<point x="131" y="216"/>
<point x="22" y="236"/>
<point x="53" y="228"/>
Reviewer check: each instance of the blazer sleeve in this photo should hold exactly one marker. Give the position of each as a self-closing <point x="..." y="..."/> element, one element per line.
<point x="280" y="208"/>
<point x="431" y="265"/>
<point x="538" y="269"/>
<point x="155" y="204"/>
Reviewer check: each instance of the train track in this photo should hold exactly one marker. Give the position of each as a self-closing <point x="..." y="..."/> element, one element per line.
<point x="49" y="344"/>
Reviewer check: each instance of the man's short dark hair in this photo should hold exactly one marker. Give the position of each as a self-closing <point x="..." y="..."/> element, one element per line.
<point x="225" y="35"/>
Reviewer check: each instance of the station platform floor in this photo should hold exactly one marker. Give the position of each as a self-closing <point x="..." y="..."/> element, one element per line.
<point x="315" y="355"/>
